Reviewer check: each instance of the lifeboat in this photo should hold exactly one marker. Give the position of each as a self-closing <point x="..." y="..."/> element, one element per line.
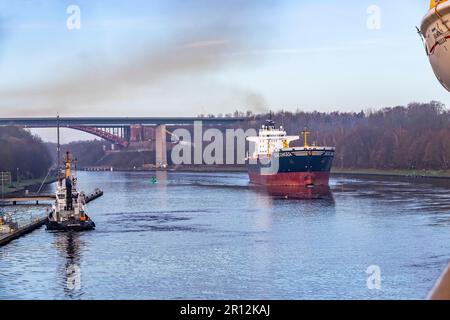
<point x="435" y="33"/>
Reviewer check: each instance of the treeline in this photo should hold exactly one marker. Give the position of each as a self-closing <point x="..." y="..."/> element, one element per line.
<point x="22" y="153"/>
<point x="86" y="153"/>
<point x="413" y="137"/>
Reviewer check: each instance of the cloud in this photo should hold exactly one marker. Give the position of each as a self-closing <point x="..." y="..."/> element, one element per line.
<point x="196" y="49"/>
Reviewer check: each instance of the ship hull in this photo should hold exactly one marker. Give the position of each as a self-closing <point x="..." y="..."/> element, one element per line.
<point x="70" y="225"/>
<point x="292" y="168"/>
<point x="291" y="179"/>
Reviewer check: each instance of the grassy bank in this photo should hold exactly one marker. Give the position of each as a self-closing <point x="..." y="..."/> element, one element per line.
<point x="396" y="173"/>
<point x="376" y="172"/>
<point x="25" y="184"/>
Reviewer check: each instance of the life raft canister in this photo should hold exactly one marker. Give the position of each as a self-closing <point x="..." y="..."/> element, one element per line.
<point x="82" y="216"/>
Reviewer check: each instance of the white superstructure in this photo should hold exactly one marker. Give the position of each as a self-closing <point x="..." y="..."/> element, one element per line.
<point x="271" y="140"/>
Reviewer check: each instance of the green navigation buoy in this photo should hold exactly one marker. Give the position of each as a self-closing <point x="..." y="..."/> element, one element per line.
<point x="154" y="180"/>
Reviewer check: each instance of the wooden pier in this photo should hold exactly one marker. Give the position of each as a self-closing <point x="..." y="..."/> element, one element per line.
<point x="6" y="238"/>
<point x="34" y="199"/>
<point x="97" y="193"/>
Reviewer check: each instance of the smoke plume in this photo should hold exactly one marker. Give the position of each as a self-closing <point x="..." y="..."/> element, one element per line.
<point x="194" y="51"/>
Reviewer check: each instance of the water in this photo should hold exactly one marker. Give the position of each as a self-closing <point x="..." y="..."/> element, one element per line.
<point x="210" y="236"/>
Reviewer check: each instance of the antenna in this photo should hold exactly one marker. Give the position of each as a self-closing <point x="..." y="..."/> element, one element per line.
<point x="423" y="40"/>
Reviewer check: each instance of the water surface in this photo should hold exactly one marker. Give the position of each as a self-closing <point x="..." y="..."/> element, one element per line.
<point x="211" y="236"/>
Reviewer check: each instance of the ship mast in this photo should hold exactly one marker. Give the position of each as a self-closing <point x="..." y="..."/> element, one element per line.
<point x="58" y="150"/>
<point x="305" y="134"/>
<point x="67" y="166"/>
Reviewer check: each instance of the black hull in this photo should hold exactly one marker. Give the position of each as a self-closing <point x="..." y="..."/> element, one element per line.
<point x="70" y="225"/>
<point x="290" y="162"/>
<point x="292" y="168"/>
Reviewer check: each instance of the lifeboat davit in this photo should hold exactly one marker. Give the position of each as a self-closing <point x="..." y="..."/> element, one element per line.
<point x="435" y="31"/>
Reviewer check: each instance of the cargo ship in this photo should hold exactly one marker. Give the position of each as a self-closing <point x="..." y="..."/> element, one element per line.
<point x="275" y="163"/>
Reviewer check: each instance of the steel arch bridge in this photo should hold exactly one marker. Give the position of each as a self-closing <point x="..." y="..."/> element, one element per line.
<point x="117" y="130"/>
<point x="119" y="137"/>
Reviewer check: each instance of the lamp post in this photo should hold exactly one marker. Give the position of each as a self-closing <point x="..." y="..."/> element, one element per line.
<point x="17" y="177"/>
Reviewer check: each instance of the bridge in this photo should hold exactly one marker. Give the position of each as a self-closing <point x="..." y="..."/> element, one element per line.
<point x="122" y="131"/>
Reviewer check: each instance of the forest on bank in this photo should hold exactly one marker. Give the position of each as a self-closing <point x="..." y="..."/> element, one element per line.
<point x="23" y="153"/>
<point x="416" y="136"/>
<point x="412" y="137"/>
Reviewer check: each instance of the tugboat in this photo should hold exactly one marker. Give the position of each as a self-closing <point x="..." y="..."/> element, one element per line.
<point x="275" y="163"/>
<point x="69" y="210"/>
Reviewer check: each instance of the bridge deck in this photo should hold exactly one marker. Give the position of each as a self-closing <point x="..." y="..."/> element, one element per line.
<point x="113" y="121"/>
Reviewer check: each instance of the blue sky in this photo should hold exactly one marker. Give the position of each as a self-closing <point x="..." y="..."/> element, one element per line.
<point x="183" y="58"/>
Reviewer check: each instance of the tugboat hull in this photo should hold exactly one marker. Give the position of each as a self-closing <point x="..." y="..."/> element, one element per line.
<point x="70" y="225"/>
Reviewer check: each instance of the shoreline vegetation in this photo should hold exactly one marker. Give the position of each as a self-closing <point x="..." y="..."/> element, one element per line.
<point x="387" y="142"/>
<point x="433" y="174"/>
<point x="437" y="174"/>
<point x="410" y="173"/>
<point x="30" y="184"/>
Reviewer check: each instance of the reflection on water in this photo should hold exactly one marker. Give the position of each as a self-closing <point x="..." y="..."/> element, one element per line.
<point x="298" y="192"/>
<point x="68" y="245"/>
<point x="213" y="236"/>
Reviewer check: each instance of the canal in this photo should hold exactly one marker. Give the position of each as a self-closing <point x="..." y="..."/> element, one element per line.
<point x="211" y="236"/>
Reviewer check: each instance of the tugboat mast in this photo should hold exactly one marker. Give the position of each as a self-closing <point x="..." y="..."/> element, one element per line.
<point x="58" y="150"/>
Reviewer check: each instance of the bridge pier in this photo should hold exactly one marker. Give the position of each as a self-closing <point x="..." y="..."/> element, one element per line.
<point x="161" y="146"/>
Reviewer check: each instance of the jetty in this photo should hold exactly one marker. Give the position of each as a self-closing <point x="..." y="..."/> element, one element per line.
<point x="37" y="223"/>
<point x="97" y="193"/>
<point x="6" y="238"/>
<point x="41" y="199"/>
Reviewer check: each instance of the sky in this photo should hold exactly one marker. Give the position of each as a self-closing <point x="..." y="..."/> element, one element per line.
<point x="191" y="57"/>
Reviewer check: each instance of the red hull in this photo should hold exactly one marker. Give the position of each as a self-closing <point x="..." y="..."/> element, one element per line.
<point x="291" y="179"/>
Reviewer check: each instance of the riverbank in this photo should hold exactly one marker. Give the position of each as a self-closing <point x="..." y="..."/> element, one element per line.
<point x="198" y="168"/>
<point x="438" y="174"/>
<point x="30" y="184"/>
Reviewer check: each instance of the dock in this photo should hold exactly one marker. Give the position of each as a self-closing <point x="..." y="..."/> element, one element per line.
<point x="39" y="222"/>
<point x="8" y="237"/>
<point x="26" y="199"/>
<point x="97" y="193"/>
<point x="35" y="199"/>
